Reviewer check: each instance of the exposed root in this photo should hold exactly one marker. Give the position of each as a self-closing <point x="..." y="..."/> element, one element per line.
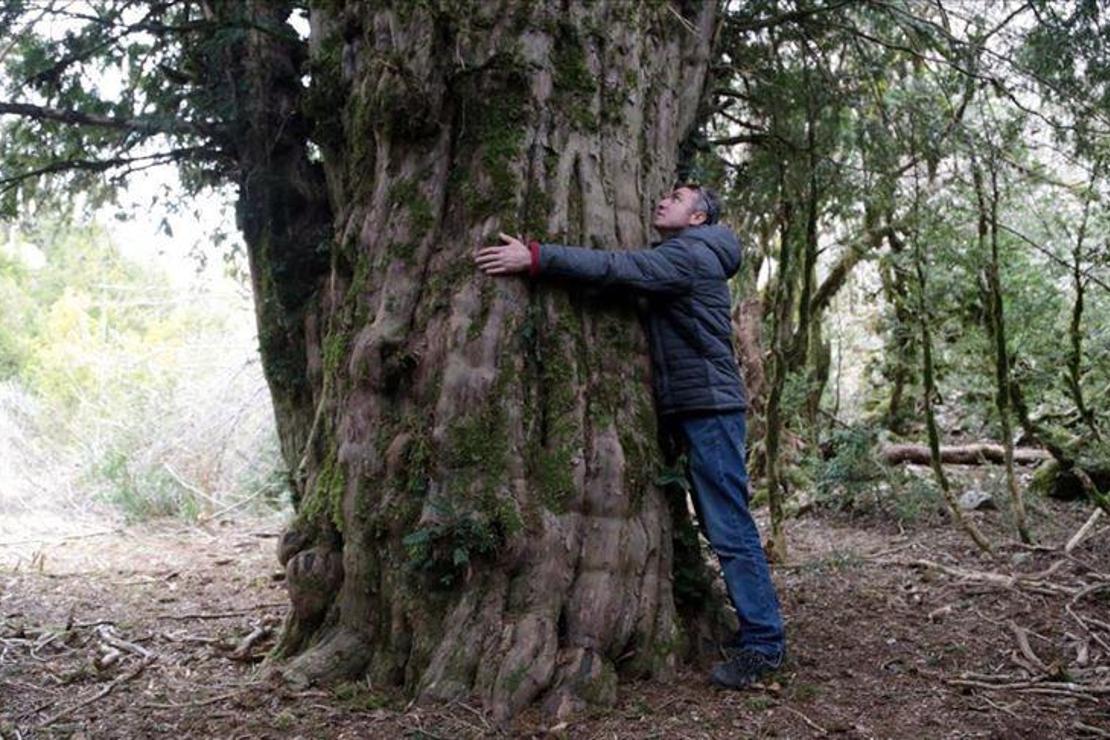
<point x="341" y="654"/>
<point x="582" y="677"/>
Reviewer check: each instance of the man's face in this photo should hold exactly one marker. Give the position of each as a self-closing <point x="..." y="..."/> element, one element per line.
<point x="677" y="210"/>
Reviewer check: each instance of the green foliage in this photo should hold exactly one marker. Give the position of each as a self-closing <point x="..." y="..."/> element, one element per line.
<point x="143" y="493"/>
<point x="359" y="697"/>
<point x="155" y="73"/>
<point x="443" y="551"/>
<point x="853" y="480"/>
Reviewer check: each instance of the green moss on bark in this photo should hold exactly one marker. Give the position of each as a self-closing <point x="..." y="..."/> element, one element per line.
<point x="478" y="448"/>
<point x="494" y="112"/>
<point x="325" y="501"/>
<point x="556" y="436"/>
<point x="575" y="85"/>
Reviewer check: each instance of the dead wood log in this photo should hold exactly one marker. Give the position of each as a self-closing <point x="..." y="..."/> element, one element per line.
<point x="970" y="454"/>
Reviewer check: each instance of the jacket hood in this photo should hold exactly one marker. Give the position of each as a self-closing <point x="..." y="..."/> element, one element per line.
<point x="722" y="241"/>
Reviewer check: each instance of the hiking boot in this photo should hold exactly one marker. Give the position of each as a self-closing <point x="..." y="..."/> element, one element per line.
<point x="744" y="668"/>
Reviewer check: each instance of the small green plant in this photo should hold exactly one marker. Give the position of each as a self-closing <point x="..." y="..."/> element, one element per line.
<point x="836" y="560"/>
<point x="760" y="703"/>
<point x="142" y="492"/>
<point x="359" y="697"/>
<point x="444" y="550"/>
<point x="913" y="497"/>
<point x="284" y="720"/>
<point x="853" y="474"/>
<point x="806" y="691"/>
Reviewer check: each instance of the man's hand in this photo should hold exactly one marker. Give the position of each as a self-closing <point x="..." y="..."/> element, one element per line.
<point x="505" y="259"/>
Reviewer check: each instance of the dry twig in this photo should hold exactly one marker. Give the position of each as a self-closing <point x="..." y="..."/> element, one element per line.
<point x="219" y="615"/>
<point x="243" y="649"/>
<point x="105" y="633"/>
<point x="1083" y="531"/>
<point x="995" y="579"/>
<point x="1090" y="729"/>
<point x="98" y="695"/>
<point x="807" y="720"/>
<point x="1022" y="638"/>
<point x="1087" y="591"/>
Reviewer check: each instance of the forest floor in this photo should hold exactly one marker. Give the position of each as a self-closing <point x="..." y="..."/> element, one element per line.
<point x="882" y="643"/>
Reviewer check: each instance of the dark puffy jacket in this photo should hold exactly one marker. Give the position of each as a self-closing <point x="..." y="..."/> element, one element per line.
<point x="688" y="323"/>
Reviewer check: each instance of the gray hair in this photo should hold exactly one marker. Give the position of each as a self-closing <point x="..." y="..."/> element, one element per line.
<point x="708" y="202"/>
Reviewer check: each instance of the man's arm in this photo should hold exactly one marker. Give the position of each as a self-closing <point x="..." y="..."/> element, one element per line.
<point x="666" y="269"/>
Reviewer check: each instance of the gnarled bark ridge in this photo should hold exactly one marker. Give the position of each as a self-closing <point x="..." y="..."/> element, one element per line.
<point x="478" y="511"/>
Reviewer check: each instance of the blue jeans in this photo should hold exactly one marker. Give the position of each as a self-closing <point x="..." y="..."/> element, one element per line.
<point x="715" y="458"/>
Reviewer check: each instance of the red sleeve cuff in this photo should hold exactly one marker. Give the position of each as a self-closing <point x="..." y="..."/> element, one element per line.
<point x="534" y="268"/>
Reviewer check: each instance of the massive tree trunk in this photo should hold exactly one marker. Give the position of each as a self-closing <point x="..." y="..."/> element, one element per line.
<point x="478" y="510"/>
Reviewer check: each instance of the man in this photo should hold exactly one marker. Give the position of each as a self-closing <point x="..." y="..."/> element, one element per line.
<point x="698" y="390"/>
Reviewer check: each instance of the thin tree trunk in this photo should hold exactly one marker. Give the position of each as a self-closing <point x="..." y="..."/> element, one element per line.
<point x="1075" y="327"/>
<point x="902" y="342"/>
<point x="780" y="337"/>
<point x="988" y="225"/>
<point x="929" y="393"/>
<point x="1064" y="459"/>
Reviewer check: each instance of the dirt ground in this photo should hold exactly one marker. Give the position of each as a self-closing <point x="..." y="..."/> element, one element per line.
<point x="894" y="632"/>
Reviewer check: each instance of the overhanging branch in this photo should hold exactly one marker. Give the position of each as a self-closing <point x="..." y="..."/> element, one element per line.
<point x="777" y="20"/>
<point x="144" y="125"/>
<point x="103" y="165"/>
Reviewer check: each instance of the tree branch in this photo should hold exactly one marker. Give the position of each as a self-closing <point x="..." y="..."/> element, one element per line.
<point x="739" y="139"/>
<point x="78" y="118"/>
<point x="101" y="165"/>
<point x="781" y="18"/>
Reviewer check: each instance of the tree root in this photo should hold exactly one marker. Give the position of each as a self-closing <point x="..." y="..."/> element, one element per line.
<point x="342" y="653"/>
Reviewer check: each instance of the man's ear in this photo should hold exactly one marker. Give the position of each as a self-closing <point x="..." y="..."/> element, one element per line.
<point x="697" y="218"/>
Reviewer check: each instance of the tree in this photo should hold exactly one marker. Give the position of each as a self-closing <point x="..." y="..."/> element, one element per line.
<point x="478" y="508"/>
<point x="473" y="461"/>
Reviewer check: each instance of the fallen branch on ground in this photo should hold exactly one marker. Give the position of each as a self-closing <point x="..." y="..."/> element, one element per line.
<point x="243" y="650"/>
<point x="1059" y="688"/>
<point x="1088" y="590"/>
<point x="1083" y="531"/>
<point x="1022" y="638"/>
<point x="220" y="615"/>
<point x="969" y="454"/>
<point x="105" y="633"/>
<point x="98" y="695"/>
<point x="807" y="720"/>
<point x="1090" y="729"/>
<point x="997" y="579"/>
<point x="201" y="703"/>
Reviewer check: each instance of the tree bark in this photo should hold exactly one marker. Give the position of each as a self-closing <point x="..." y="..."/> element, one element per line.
<point x="479" y="511"/>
